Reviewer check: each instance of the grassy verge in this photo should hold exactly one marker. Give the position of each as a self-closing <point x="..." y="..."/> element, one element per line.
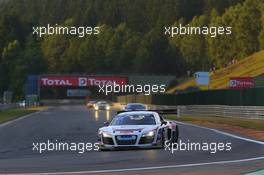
<point x="11" y="114"/>
<point x="251" y="66"/>
<point x="243" y="123"/>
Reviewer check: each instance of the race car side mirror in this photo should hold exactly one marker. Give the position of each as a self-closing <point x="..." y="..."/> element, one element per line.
<point x="163" y="123"/>
<point x="106" y="123"/>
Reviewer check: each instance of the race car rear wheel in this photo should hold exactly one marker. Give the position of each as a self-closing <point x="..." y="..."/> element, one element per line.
<point x="163" y="139"/>
<point x="175" y="135"/>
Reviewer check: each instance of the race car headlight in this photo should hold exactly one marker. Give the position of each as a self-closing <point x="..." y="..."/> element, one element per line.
<point x="107" y="107"/>
<point x="96" y="107"/>
<point x="149" y="134"/>
<point x="105" y="134"/>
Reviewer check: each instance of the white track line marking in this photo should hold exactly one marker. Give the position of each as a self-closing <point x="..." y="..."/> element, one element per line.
<point x="156" y="167"/>
<point x="145" y="168"/>
<point x="224" y="133"/>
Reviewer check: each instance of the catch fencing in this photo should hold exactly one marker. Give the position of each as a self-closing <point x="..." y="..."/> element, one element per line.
<point x="249" y="112"/>
<point x="230" y="97"/>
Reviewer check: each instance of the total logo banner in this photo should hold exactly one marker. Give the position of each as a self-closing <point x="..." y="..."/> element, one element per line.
<point x="82" y="81"/>
<point x="241" y="82"/>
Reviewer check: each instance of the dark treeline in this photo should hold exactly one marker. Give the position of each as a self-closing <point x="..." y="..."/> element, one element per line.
<point x="132" y="37"/>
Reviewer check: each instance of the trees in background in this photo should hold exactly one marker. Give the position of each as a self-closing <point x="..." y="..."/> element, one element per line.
<point x="245" y="20"/>
<point x="132" y="37"/>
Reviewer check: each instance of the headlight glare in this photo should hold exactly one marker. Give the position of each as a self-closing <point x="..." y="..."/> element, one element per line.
<point x="105" y="134"/>
<point x="149" y="134"/>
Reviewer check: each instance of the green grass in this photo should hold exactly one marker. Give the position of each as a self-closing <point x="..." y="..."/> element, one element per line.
<point x="251" y="66"/>
<point x="244" y="123"/>
<point x="259" y="172"/>
<point x="11" y="114"/>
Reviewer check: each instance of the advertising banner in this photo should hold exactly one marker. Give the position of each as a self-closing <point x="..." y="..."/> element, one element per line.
<point x="78" y="93"/>
<point x="241" y="82"/>
<point x="81" y="81"/>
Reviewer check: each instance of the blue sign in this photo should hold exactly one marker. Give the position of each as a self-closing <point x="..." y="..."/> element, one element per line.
<point x="32" y="85"/>
<point x="202" y="78"/>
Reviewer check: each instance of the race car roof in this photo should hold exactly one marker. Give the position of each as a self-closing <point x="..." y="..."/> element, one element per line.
<point x="161" y="111"/>
<point x="136" y="112"/>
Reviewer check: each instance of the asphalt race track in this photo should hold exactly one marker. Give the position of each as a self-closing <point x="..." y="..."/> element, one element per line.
<point x="78" y="124"/>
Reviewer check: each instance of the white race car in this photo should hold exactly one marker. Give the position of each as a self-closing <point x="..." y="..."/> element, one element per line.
<point x="101" y="105"/>
<point x="139" y="129"/>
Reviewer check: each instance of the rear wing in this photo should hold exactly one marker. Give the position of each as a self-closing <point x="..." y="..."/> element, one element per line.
<point x="159" y="111"/>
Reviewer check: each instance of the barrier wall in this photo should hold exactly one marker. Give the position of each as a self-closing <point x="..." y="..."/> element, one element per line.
<point x="241" y="97"/>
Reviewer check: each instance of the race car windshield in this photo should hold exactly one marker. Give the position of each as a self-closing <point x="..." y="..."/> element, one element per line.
<point x="102" y="103"/>
<point x="138" y="119"/>
<point x="136" y="106"/>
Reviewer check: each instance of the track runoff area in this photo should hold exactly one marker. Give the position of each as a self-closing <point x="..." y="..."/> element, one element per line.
<point x="64" y="139"/>
<point x="76" y="126"/>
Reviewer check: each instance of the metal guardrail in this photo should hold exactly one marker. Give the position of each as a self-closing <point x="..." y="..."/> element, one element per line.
<point x="56" y="102"/>
<point x="8" y="106"/>
<point x="250" y="112"/>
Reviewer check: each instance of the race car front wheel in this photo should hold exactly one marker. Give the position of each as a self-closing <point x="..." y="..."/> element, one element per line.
<point x="105" y="149"/>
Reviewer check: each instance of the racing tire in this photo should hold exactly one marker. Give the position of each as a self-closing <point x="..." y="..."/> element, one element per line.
<point x="162" y="140"/>
<point x="175" y="135"/>
<point x="104" y="149"/>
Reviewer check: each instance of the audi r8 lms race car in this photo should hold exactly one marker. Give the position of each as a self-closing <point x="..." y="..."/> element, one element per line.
<point x="137" y="129"/>
<point x="135" y="107"/>
<point x="91" y="104"/>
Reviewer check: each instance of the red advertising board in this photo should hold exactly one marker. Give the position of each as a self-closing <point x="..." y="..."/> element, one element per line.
<point x="81" y="81"/>
<point x="241" y="82"/>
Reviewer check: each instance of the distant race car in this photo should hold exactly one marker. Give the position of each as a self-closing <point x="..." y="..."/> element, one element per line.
<point x="102" y="105"/>
<point x="138" y="129"/>
<point x="22" y="103"/>
<point x="91" y="104"/>
<point x="135" y="107"/>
